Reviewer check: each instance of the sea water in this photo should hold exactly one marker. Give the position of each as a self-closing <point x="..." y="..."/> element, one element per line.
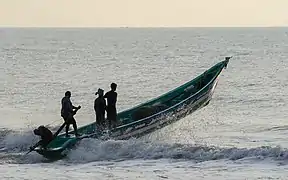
<point x="241" y="134"/>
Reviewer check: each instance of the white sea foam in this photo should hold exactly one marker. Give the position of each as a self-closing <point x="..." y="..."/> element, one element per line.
<point x="96" y="150"/>
<point x="17" y="141"/>
<point x="89" y="150"/>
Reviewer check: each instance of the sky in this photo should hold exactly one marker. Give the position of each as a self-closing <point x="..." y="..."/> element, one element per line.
<point x="143" y="13"/>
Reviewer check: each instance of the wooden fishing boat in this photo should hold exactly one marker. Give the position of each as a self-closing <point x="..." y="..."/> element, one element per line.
<point x="149" y="116"/>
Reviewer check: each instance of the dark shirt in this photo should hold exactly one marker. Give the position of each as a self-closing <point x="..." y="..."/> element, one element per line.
<point x="100" y="104"/>
<point x="111" y="98"/>
<point x="45" y="134"/>
<point x="67" y="106"/>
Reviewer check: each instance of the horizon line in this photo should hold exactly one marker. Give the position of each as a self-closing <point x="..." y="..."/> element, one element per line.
<point x="135" y="27"/>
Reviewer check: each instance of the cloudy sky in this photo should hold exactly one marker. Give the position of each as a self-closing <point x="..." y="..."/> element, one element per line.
<point x="143" y="13"/>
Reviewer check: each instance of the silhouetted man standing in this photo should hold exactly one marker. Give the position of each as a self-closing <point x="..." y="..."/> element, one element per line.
<point x="100" y="107"/>
<point x="111" y="106"/>
<point x="68" y="111"/>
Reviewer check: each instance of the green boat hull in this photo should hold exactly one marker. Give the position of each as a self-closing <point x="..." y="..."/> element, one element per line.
<point x="147" y="117"/>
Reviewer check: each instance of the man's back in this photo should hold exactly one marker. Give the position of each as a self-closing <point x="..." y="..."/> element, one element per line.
<point x="66" y="106"/>
<point x="111" y="98"/>
<point x="100" y="104"/>
<point x="46" y="134"/>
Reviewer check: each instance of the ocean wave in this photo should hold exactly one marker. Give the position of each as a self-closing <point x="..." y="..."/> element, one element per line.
<point x="18" y="141"/>
<point x="96" y="150"/>
<point x="15" y="144"/>
<point x="276" y="128"/>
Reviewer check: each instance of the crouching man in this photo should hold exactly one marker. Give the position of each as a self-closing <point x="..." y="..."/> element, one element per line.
<point x="46" y="137"/>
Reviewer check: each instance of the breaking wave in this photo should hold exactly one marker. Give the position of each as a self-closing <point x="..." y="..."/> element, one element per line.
<point x="18" y="141"/>
<point x="14" y="144"/>
<point x="96" y="150"/>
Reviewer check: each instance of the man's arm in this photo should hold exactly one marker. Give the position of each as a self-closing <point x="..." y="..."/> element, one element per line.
<point x="36" y="145"/>
<point x="72" y="106"/>
<point x="115" y="99"/>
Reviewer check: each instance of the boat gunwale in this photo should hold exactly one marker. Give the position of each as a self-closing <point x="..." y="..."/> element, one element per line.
<point x="169" y="92"/>
<point x="181" y="102"/>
